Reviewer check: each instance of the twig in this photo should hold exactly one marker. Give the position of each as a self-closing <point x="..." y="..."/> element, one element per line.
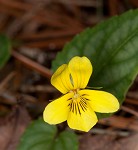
<point x="11" y="99"/>
<point x="7" y="98"/>
<point x="38" y="88"/>
<point x="133" y="94"/>
<point x="6" y="80"/>
<point x="32" y="65"/>
<point x="109" y="132"/>
<point x="132" y="101"/>
<point x="129" y="110"/>
<point x="120" y="122"/>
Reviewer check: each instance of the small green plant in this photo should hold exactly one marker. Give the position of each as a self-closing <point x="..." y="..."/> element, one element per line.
<point x="112" y="47"/>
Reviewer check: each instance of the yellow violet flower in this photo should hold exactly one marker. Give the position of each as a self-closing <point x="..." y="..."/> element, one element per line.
<point x="78" y="105"/>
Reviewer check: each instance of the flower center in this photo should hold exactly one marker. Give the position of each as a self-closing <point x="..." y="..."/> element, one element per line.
<point x="76" y="96"/>
<point x="78" y="103"/>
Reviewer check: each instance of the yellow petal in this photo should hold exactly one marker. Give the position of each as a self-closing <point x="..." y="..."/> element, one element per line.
<point x="101" y="101"/>
<point x="84" y="121"/>
<point x="61" y="79"/>
<point x="81" y="70"/>
<point x="57" y="111"/>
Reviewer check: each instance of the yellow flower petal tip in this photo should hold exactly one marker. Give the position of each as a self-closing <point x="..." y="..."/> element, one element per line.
<point x="78" y="105"/>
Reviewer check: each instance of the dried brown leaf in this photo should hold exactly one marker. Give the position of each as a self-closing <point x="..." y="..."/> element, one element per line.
<point x="12" y="127"/>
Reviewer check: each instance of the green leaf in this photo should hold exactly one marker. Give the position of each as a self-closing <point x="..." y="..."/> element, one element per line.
<point x="4" y="50"/>
<point x="112" y="47"/>
<point x="67" y="140"/>
<point x="42" y="136"/>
